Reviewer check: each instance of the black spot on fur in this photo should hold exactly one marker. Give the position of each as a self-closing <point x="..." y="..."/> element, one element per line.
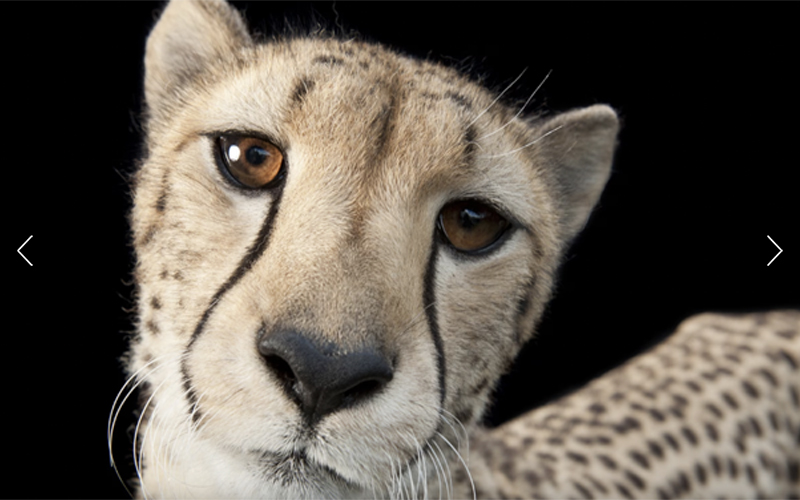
<point x="585" y="493"/>
<point x="547" y="456"/>
<point x="597" y="408"/>
<point x="623" y="491"/>
<point x="301" y="89"/>
<point x="148" y="236"/>
<point x="700" y="473"/>
<point x="750" y="389"/>
<point x="689" y="435"/>
<point x="640" y="459"/>
<point x="662" y="494"/>
<point x="459" y="99"/>
<point x="603" y="440"/>
<point x="532" y="478"/>
<point x="637" y="481"/>
<point x="750" y="472"/>
<point x="739" y="443"/>
<point x="711" y="432"/>
<point x="733" y="468"/>
<point x="788" y="358"/>
<point x="769" y="376"/>
<point x="730" y="401"/>
<point x="755" y="426"/>
<point x="607" y="461"/>
<point x="507" y="469"/>
<point x="716" y="464"/>
<point x="787" y="334"/>
<point x="655" y="449"/>
<point x="672" y="441"/>
<point x="684" y="483"/>
<point x="676" y="412"/>
<point x="556" y="441"/>
<point x="577" y="458"/>
<point x="152" y="327"/>
<point x="714" y="410"/>
<point x="733" y="357"/>
<point x="794" y="396"/>
<point x="596" y="484"/>
<point x="680" y="400"/>
<point x="793" y="471"/>
<point x="164" y="274"/>
<point x="161" y="202"/>
<point x="773" y="421"/>
<point x="328" y="59"/>
<point x="627" y="424"/>
<point x="657" y="415"/>
<point x="694" y="386"/>
<point x="155" y="303"/>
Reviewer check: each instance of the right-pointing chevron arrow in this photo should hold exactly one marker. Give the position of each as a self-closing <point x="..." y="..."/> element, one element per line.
<point x="780" y="250"/>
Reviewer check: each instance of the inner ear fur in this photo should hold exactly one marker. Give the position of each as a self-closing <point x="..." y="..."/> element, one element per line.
<point x="188" y="37"/>
<point x="578" y="151"/>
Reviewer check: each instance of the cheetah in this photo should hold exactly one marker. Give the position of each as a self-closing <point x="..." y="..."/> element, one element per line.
<point x="340" y="250"/>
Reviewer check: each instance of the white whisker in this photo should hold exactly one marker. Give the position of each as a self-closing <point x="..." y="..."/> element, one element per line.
<point x="466" y="469"/>
<point x="496" y="99"/>
<point x="112" y="416"/>
<point x="448" y="477"/>
<point x="507" y="153"/>
<point x="137" y="463"/>
<point x="521" y="109"/>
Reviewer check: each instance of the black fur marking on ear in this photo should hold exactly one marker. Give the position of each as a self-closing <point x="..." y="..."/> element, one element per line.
<point x="429" y="302"/>
<point x="252" y="254"/>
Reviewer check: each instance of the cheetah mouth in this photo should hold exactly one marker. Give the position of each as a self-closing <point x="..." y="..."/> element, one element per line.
<point x="290" y="469"/>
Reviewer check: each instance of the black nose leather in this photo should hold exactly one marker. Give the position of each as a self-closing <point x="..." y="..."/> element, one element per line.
<point x="320" y="378"/>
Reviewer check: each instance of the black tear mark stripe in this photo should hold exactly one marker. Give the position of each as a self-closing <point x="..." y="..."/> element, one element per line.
<point x="252" y="254"/>
<point x="429" y="302"/>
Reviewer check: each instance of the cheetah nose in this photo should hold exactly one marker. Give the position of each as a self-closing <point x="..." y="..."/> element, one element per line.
<point x="321" y="378"/>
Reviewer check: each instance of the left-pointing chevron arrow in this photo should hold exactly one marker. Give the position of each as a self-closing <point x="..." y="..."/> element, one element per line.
<point x="19" y="250"/>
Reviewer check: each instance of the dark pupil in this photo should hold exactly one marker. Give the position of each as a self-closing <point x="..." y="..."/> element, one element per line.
<point x="468" y="219"/>
<point x="256" y="155"/>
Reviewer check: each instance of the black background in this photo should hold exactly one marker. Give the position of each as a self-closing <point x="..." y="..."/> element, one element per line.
<point x="706" y="169"/>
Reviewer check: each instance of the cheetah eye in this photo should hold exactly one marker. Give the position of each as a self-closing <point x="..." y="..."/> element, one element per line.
<point x="249" y="161"/>
<point x="471" y="226"/>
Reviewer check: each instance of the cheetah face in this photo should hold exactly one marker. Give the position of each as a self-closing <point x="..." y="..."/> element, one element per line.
<point x="340" y="250"/>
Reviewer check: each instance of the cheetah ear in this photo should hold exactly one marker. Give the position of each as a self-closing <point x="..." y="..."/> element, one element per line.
<point x="578" y="150"/>
<point x="188" y="37"/>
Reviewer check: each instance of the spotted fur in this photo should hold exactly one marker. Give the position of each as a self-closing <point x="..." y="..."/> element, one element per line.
<point x="344" y="252"/>
<point x="712" y="412"/>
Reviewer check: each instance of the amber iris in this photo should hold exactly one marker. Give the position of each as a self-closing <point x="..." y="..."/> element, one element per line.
<point x="470" y="225"/>
<point x="251" y="161"/>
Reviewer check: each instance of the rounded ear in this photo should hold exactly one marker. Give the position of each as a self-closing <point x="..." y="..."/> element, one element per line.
<point x="189" y="35"/>
<point x="578" y="150"/>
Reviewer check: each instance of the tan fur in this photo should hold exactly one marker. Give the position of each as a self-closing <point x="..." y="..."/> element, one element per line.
<point x="375" y="145"/>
